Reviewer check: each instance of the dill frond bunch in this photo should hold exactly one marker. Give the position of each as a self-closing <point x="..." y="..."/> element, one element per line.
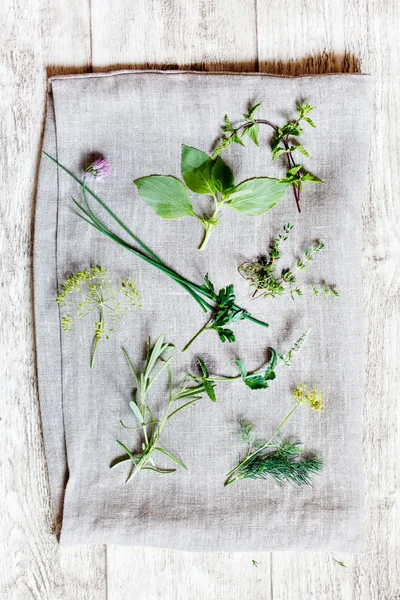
<point x="91" y="292"/>
<point x="282" y="459"/>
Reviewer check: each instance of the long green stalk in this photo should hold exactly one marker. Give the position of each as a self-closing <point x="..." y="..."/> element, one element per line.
<point x="197" y="292"/>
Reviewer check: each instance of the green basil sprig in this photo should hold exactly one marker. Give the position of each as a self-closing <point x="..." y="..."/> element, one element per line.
<point x="169" y="197"/>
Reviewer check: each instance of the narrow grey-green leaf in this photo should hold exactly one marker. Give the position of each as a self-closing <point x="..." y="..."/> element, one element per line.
<point x="129" y="453"/>
<point x="171" y="456"/>
<point x="136" y="412"/>
<point x="256" y="196"/>
<point x="166" y="195"/>
<point x="222" y="176"/>
<point x="196" y="170"/>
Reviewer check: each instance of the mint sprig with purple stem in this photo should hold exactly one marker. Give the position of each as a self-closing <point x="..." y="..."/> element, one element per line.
<point x="221" y="305"/>
<point x="284" y="143"/>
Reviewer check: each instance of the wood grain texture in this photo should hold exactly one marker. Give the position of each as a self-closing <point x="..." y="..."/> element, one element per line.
<point x="317" y="36"/>
<point x="32" y="565"/>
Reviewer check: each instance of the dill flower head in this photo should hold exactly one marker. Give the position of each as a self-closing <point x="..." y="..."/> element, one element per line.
<point x="98" y="170"/>
<point x="314" y="398"/>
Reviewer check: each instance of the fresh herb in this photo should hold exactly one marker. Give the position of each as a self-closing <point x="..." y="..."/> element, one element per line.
<point x="340" y="563"/>
<point x="284" y="143"/>
<point x="284" y="460"/>
<point x="92" y="291"/>
<point x="224" y="313"/>
<point x="255" y="563"/>
<point x="267" y="283"/>
<point x="157" y="362"/>
<point x="170" y="198"/>
<point x="260" y="378"/>
<point x="221" y="304"/>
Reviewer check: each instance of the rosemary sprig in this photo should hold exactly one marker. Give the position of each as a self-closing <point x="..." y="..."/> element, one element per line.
<point x="262" y="275"/>
<point x="157" y="361"/>
<point x="92" y="291"/>
<point x="221" y="305"/>
<point x="284" y="143"/>
<point x="281" y="459"/>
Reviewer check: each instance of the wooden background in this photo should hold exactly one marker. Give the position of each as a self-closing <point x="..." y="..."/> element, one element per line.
<point x="40" y="38"/>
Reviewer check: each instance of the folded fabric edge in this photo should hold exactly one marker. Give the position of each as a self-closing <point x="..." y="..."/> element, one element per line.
<point x="208" y="73"/>
<point x="47" y="323"/>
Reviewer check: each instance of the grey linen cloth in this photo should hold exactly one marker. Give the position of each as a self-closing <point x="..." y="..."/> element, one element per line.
<point x="139" y="120"/>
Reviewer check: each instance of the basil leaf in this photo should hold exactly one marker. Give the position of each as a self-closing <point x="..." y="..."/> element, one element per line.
<point x="166" y="195"/>
<point x="254" y="197"/>
<point x="196" y="170"/>
<point x="222" y="176"/>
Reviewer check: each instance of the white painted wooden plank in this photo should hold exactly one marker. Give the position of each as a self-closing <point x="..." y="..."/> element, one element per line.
<point x="325" y="37"/>
<point x="35" y="34"/>
<point x="150" y="573"/>
<point x="314" y="36"/>
<point x="197" y="34"/>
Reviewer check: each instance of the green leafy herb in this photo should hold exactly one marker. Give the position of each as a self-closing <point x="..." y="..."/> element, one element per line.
<point x="284" y="143"/>
<point x="281" y="459"/>
<point x="259" y="379"/>
<point x="254" y="562"/>
<point x="157" y="362"/>
<point x="224" y="313"/>
<point x="202" y="174"/>
<point x="221" y="305"/>
<point x="92" y="292"/>
<point x="265" y="280"/>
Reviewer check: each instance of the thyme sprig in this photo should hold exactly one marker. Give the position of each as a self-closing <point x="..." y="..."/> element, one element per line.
<point x="262" y="273"/>
<point x="284" y="143"/>
<point x="222" y="306"/>
<point x="157" y="362"/>
<point x="282" y="459"/>
<point x="92" y="291"/>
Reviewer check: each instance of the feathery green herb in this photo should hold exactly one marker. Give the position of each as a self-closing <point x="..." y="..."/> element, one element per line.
<point x="267" y="283"/>
<point x="281" y="459"/>
<point x="221" y="305"/>
<point x="157" y="362"/>
<point x="92" y="291"/>
<point x="284" y="143"/>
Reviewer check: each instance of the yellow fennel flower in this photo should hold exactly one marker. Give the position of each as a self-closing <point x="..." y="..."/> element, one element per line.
<point x="314" y="398"/>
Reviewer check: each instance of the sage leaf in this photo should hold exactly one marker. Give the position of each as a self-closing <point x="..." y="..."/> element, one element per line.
<point x="166" y="195"/>
<point x="254" y="197"/>
<point x="222" y="176"/>
<point x="196" y="170"/>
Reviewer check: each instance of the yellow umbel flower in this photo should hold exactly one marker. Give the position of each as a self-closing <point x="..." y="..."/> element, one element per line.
<point x="314" y="398"/>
